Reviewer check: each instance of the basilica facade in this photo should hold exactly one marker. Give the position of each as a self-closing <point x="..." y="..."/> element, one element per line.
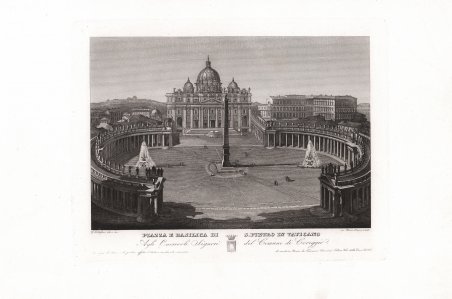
<point x="200" y="106"/>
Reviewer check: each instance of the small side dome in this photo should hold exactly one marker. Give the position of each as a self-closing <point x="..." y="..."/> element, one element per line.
<point x="188" y="87"/>
<point x="233" y="86"/>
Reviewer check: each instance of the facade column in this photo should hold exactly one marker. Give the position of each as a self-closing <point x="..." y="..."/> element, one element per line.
<point x="249" y="118"/>
<point x="239" y="113"/>
<point x="216" y="118"/>
<point x="201" y="117"/>
<point x="208" y="117"/>
<point x="286" y="140"/>
<point x="232" y="117"/>
<point x="184" y="118"/>
<point x="298" y="143"/>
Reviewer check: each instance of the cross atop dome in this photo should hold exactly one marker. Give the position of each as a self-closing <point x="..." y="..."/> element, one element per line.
<point x="208" y="61"/>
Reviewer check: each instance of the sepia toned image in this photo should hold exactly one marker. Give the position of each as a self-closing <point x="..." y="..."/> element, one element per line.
<point x="230" y="132"/>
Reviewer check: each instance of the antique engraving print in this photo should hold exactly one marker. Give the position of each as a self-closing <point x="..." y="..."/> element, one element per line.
<point x="230" y="133"/>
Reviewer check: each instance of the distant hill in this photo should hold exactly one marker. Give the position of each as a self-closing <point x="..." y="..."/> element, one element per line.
<point x="128" y="104"/>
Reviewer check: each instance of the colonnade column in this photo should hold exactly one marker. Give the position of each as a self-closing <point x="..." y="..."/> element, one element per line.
<point x="322" y="196"/>
<point x="201" y="116"/>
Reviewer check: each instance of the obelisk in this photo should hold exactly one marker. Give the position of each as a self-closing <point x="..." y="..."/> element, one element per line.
<point x="226" y="162"/>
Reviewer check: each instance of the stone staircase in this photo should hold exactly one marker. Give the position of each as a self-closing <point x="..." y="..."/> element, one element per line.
<point x="205" y="131"/>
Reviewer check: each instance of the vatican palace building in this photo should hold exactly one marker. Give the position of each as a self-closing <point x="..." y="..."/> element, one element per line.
<point x="199" y="106"/>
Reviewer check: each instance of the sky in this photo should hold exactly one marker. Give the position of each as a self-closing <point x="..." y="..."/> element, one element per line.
<point x="150" y="67"/>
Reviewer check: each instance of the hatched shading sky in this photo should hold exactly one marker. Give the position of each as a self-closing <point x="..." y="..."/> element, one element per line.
<point x="150" y="67"/>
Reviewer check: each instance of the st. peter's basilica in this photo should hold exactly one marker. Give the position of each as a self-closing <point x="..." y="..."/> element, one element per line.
<point x="201" y="106"/>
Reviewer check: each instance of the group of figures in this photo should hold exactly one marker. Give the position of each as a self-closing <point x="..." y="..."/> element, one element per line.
<point x="151" y="172"/>
<point x="145" y="161"/>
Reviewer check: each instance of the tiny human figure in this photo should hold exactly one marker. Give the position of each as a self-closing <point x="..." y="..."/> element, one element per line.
<point x="130" y="170"/>
<point x="276" y="183"/>
<point x="137" y="170"/>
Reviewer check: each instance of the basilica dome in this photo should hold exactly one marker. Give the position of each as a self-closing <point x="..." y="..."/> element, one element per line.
<point x="188" y="87"/>
<point x="208" y="79"/>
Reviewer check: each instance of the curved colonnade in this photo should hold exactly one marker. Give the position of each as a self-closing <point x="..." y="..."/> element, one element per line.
<point x="345" y="188"/>
<point x="113" y="186"/>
